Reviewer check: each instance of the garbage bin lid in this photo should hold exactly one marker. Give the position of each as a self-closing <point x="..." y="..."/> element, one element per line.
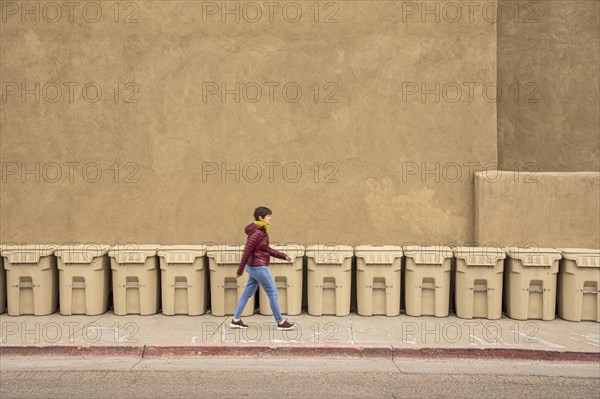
<point x="479" y="256"/>
<point x="428" y="248"/>
<point x="81" y="253"/>
<point x="215" y="246"/>
<point x="312" y="250"/>
<point x="220" y="248"/>
<point x="133" y="253"/>
<point x="129" y="247"/>
<point x="533" y="256"/>
<point x="573" y="251"/>
<point x="183" y="248"/>
<point x="27" y="253"/>
<point x="329" y="253"/>
<point x="583" y="257"/>
<point x="379" y="248"/>
<point x="181" y="253"/>
<point x="292" y="250"/>
<point x="225" y="253"/>
<point x="518" y="251"/>
<point x="378" y="254"/>
<point x="330" y="247"/>
<point x="434" y="254"/>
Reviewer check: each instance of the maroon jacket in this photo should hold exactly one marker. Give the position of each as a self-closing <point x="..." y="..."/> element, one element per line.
<point x="257" y="251"/>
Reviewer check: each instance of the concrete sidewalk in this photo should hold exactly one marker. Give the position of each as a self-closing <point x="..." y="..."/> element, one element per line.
<point x="325" y="336"/>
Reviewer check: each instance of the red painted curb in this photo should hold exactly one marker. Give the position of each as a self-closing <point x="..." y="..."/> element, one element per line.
<point x="71" y="350"/>
<point x="311" y="351"/>
<point x="496" y="353"/>
<point x="270" y="351"/>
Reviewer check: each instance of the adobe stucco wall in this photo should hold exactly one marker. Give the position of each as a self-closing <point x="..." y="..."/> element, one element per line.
<point x="369" y="129"/>
<point x="547" y="209"/>
<point x="554" y="122"/>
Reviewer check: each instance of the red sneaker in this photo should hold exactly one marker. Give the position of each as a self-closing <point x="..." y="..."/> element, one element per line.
<point x="285" y="325"/>
<point x="237" y="324"/>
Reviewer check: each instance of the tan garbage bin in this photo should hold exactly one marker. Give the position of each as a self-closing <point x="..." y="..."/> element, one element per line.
<point x="135" y="276"/>
<point x="329" y="279"/>
<point x="225" y="288"/>
<point x="427" y="280"/>
<point x="2" y="282"/>
<point x="31" y="279"/>
<point x="83" y="279"/>
<point x="579" y="284"/>
<point x="288" y="280"/>
<point x="479" y="272"/>
<point x="183" y="279"/>
<point x="378" y="280"/>
<point x="530" y="282"/>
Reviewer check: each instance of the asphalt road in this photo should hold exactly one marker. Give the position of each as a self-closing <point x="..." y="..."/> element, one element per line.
<point x="288" y="378"/>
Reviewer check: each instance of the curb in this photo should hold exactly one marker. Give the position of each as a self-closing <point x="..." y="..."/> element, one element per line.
<point x="287" y="351"/>
<point x="72" y="350"/>
<point x="496" y="353"/>
<point x="315" y="351"/>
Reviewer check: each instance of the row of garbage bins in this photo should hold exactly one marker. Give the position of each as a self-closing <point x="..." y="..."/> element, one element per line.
<point x="533" y="280"/>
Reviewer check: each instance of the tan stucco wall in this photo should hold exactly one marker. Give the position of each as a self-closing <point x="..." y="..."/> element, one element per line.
<point x="558" y="57"/>
<point x="548" y="209"/>
<point x="370" y="136"/>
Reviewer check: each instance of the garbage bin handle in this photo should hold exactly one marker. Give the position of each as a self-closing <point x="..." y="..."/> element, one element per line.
<point x="26" y="286"/>
<point x="429" y="288"/>
<point x="133" y="286"/>
<point x="328" y="287"/>
<point x="379" y="287"/>
<point x="481" y="289"/>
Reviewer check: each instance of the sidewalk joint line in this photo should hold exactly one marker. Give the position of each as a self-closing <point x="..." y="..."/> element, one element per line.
<point x="350" y="330"/>
<point x="394" y="360"/>
<point x="136" y="363"/>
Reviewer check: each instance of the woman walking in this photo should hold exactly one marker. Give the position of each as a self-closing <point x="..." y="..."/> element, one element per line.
<point x="256" y="256"/>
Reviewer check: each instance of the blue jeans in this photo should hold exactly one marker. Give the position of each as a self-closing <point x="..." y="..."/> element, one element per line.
<point x="259" y="275"/>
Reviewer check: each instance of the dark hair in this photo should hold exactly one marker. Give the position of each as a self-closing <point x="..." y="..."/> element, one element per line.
<point x="261" y="211"/>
